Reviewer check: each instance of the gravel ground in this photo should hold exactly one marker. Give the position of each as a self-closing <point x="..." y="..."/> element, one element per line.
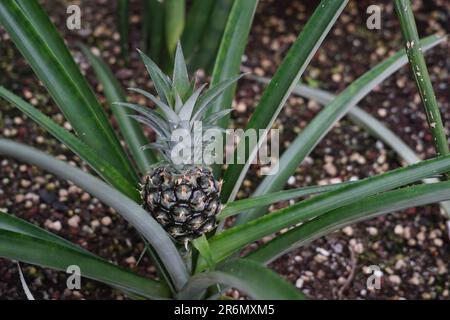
<point x="410" y="247"/>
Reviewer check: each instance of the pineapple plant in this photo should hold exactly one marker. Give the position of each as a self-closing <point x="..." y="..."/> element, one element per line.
<point x="182" y="196"/>
<point x="180" y="200"/>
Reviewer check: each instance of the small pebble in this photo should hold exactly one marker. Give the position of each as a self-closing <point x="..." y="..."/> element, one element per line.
<point x="56" y="225"/>
<point x="372" y="231"/>
<point x="291" y="180"/>
<point x="394" y="279"/>
<point x="398" y="230"/>
<point x="299" y="283"/>
<point x="438" y="242"/>
<point x="95" y="223"/>
<point x="130" y="260"/>
<point x="106" y="221"/>
<point x="74" y="221"/>
<point x="348" y="231"/>
<point x="25" y="183"/>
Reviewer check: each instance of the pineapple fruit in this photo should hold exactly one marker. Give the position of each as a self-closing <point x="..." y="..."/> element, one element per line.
<point x="185" y="204"/>
<point x="184" y="199"/>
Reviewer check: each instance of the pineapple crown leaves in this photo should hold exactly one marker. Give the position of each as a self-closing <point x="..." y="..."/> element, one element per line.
<point x="179" y="105"/>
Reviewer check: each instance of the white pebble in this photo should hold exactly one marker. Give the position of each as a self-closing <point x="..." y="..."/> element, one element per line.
<point x="291" y="180"/>
<point x="299" y="283"/>
<point x="398" y="230"/>
<point x="74" y="221"/>
<point x="106" y="221"/>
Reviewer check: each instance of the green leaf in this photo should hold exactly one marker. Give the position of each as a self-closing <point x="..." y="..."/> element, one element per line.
<point x="180" y="73"/>
<point x="359" y="117"/>
<point x="25" y="242"/>
<point x="122" y="22"/>
<point x="174" y="23"/>
<point x="196" y="25"/>
<point x="317" y="128"/>
<point x="247" y="276"/>
<point x="371" y="125"/>
<point x="133" y="134"/>
<point x="41" y="45"/>
<point x="284" y="80"/>
<point x="235" y="207"/>
<point x="210" y="95"/>
<point x="92" y="157"/>
<point x="127" y="208"/>
<point x="420" y="73"/>
<point x="151" y="116"/>
<point x="210" y="42"/>
<point x="188" y="108"/>
<point x="162" y="82"/>
<point x="231" y="240"/>
<point x="232" y="47"/>
<point x="153" y="28"/>
<point x="368" y="208"/>
<point x="169" y="114"/>
<point x="202" y="245"/>
<point x="159" y="266"/>
<point x="11" y="223"/>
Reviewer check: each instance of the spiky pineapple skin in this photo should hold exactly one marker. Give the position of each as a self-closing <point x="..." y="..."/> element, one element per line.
<point x="186" y="203"/>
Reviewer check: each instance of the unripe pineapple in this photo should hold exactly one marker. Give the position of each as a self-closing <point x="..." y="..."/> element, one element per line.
<point x="185" y="204"/>
<point x="183" y="198"/>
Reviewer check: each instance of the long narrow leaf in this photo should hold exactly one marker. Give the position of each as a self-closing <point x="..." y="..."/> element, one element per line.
<point x="324" y="121"/>
<point x="23" y="282"/>
<point x="180" y="74"/>
<point x="131" y="131"/>
<point x="212" y="36"/>
<point x="174" y="23"/>
<point x="98" y="162"/>
<point x="420" y="72"/>
<point x="211" y="95"/>
<point x="47" y="254"/>
<point x="282" y="84"/>
<point x="161" y="81"/>
<point x="250" y="277"/>
<point x="131" y="211"/>
<point x="373" y="126"/>
<point x="359" y="117"/>
<point x="153" y="25"/>
<point x="232" y="46"/>
<point x="37" y="39"/>
<point x="361" y="210"/>
<point x="202" y="246"/>
<point x="229" y="57"/>
<point x="126" y="280"/>
<point x="166" y="110"/>
<point x="231" y="240"/>
<point x="196" y="25"/>
<point x="123" y="13"/>
<point x="235" y="207"/>
<point x="11" y="223"/>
